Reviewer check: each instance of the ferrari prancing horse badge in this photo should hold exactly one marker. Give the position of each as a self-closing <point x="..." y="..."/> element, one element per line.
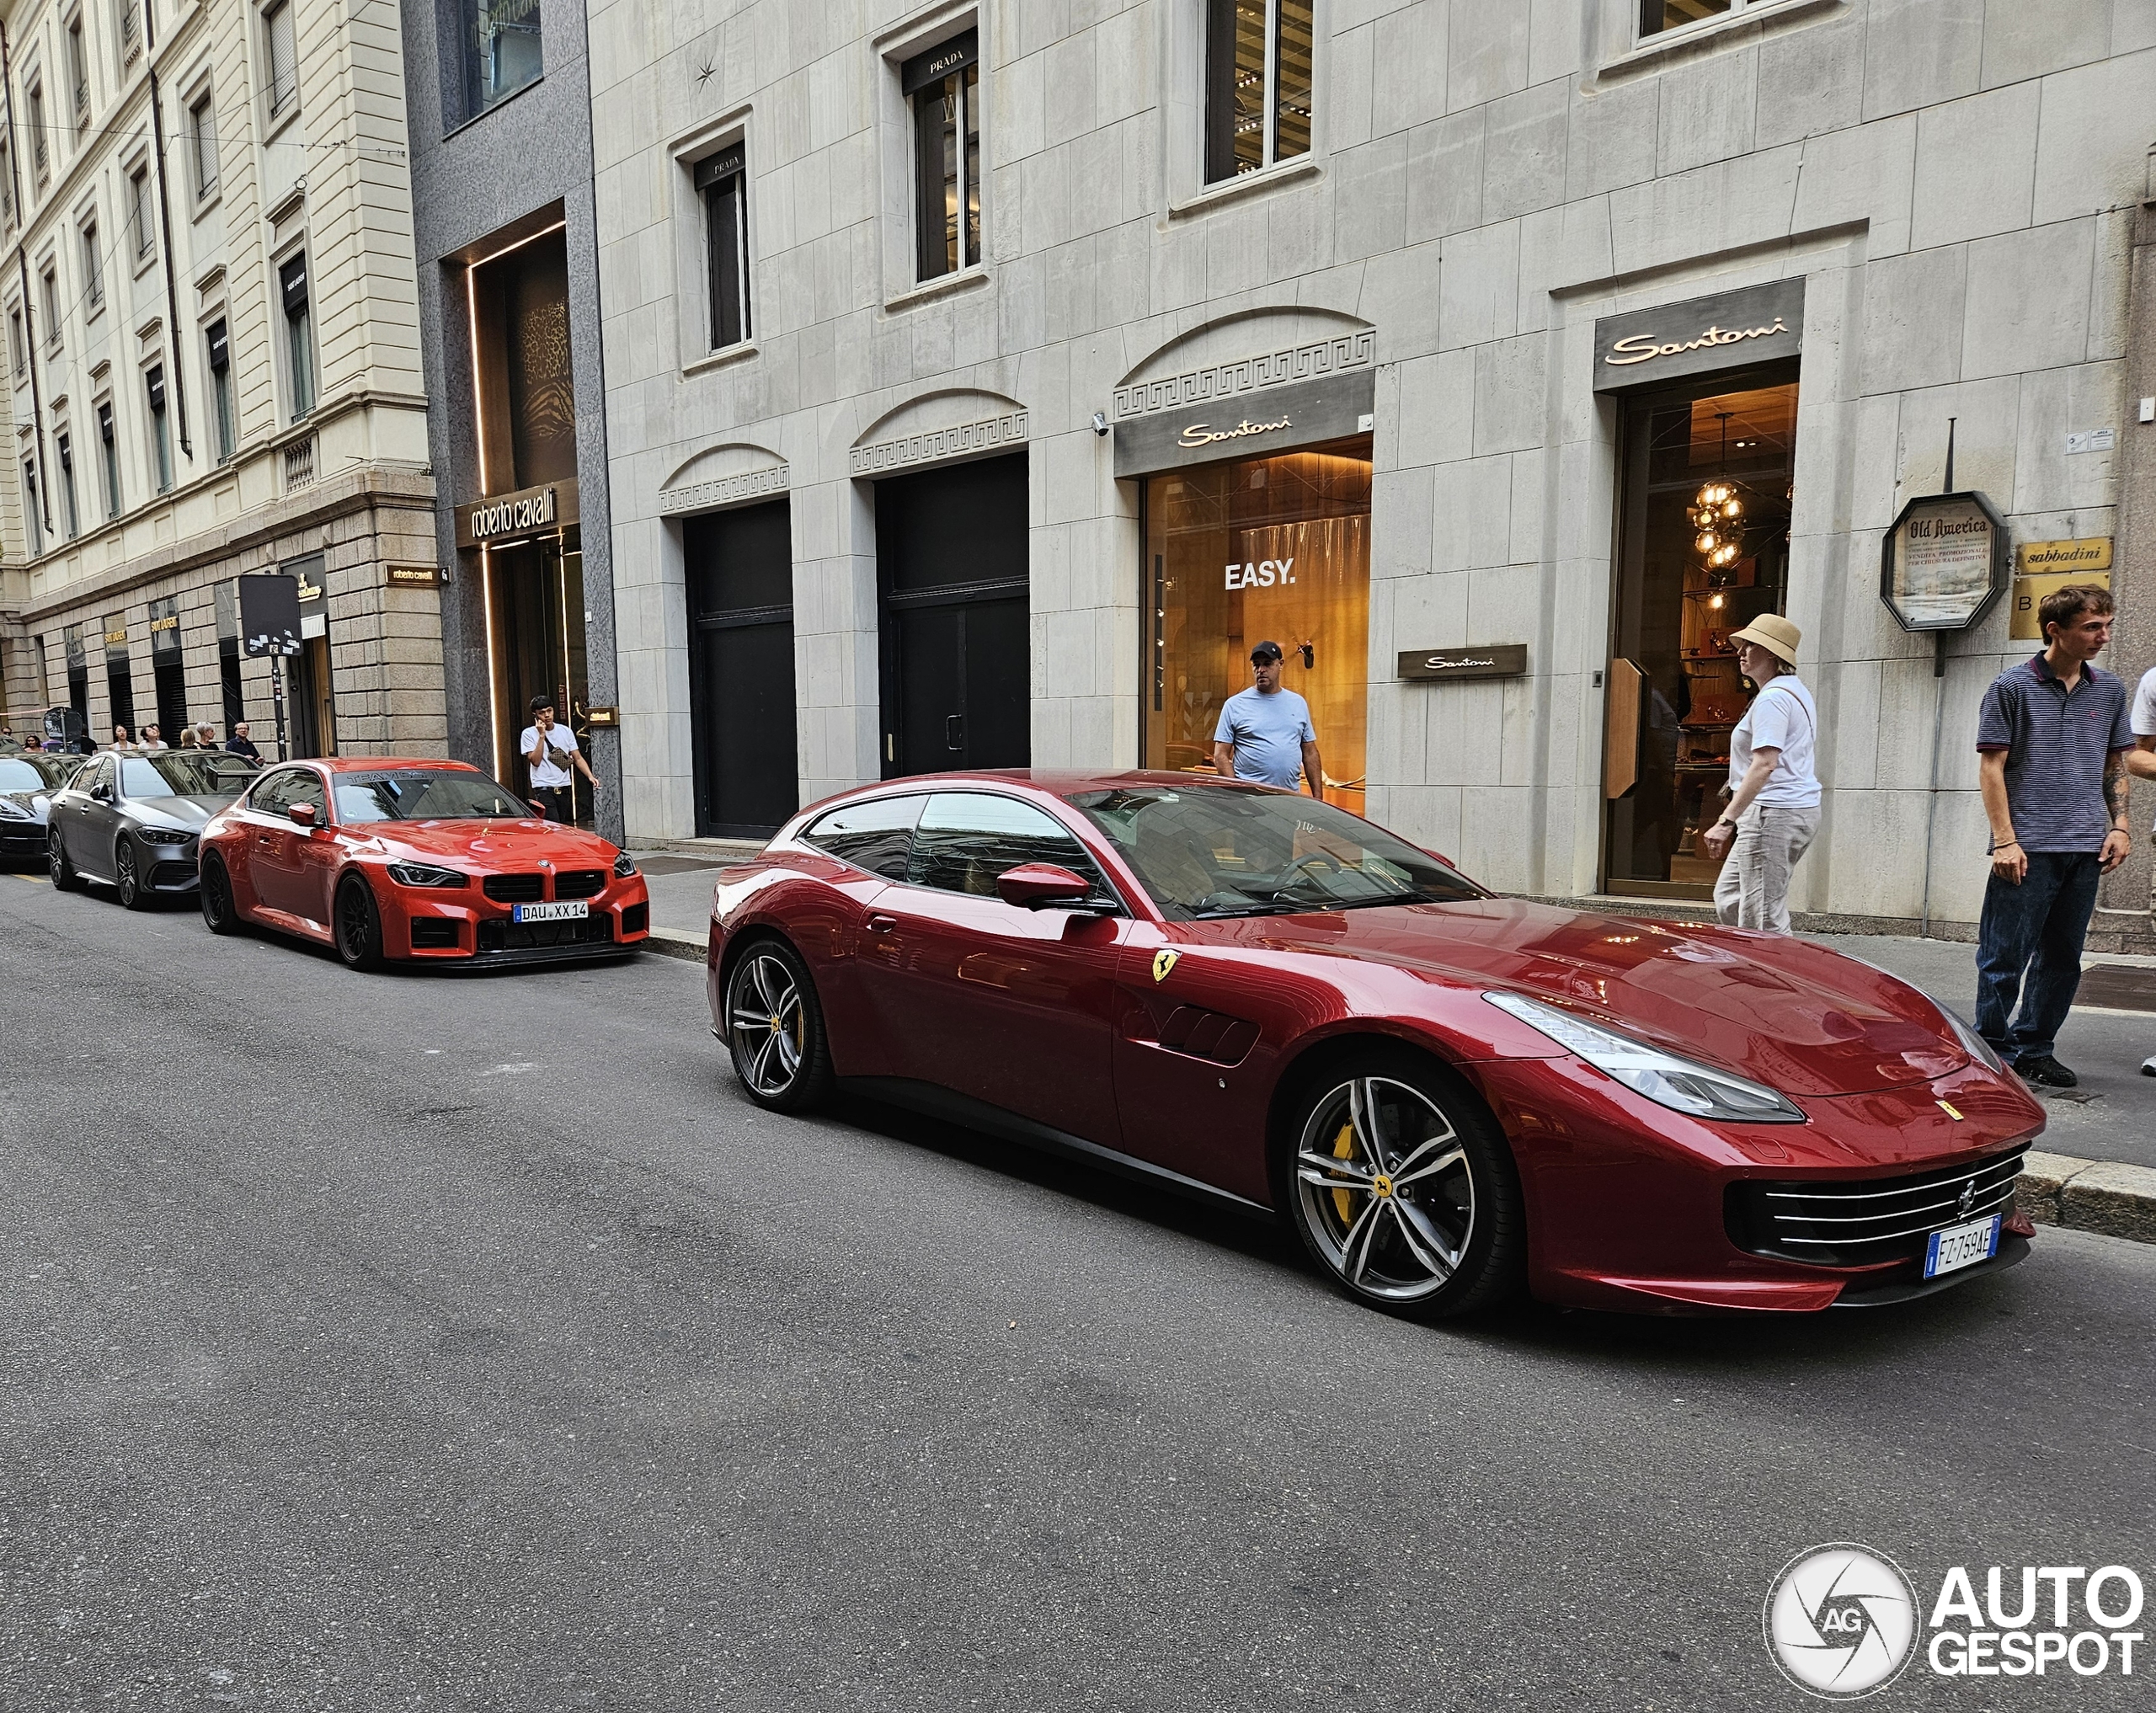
<point x="1163" y="962"/>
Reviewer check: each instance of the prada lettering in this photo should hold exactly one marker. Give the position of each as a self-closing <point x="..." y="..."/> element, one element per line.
<point x="1262" y="574"/>
<point x="509" y="517"/>
<point x="1201" y="434"/>
<point x="943" y="62"/>
<point x="1645" y="348"/>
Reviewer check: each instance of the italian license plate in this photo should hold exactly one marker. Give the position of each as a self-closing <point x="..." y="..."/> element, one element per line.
<point x="1961" y="1246"/>
<point x="558" y="913"/>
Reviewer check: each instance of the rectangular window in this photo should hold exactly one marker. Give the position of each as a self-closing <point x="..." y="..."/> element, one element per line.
<point x="202" y="136"/>
<point x="48" y="283"/>
<point x="7" y="186"/>
<point x="299" y="335"/>
<point x="109" y="449"/>
<point x="16" y="354"/>
<point x="141" y="221"/>
<point x="944" y="87"/>
<point x="32" y="522"/>
<point x="78" y="71"/>
<point x="92" y="266"/>
<point x="78" y="670"/>
<point x="722" y="183"/>
<point x="131" y="32"/>
<point x="221" y="389"/>
<point x="153" y="386"/>
<point x="501" y="48"/>
<point x="1656" y="16"/>
<point x="66" y="455"/>
<point x="284" y="56"/>
<point x="118" y="679"/>
<point x="1257" y="84"/>
<point x="228" y="679"/>
<point x="40" y="153"/>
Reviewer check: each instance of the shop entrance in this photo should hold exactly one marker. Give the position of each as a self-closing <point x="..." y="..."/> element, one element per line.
<point x="309" y="703"/>
<point x="535" y="609"/>
<point x="951" y="570"/>
<point x="1238" y="553"/>
<point x="739" y="572"/>
<point x="1704" y="549"/>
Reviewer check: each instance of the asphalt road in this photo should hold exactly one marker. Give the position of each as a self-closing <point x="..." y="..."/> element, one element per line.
<point x="419" y="1342"/>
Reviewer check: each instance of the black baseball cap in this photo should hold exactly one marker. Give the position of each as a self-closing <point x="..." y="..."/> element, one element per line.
<point x="1266" y="651"/>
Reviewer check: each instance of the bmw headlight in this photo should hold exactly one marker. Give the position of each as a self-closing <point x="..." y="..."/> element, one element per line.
<point x="623" y="867"/>
<point x="1972" y="1044"/>
<point x="1663" y="1078"/>
<point x="420" y="874"/>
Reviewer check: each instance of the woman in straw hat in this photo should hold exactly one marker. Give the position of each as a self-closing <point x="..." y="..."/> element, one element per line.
<point x="1774" y="804"/>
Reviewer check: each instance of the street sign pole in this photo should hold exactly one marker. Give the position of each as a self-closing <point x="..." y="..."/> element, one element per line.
<point x="277" y="699"/>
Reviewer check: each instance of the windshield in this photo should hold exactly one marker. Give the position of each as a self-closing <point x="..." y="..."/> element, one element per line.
<point x="185" y="773"/>
<point x="34" y="771"/>
<point x="1217" y="851"/>
<point x="424" y="794"/>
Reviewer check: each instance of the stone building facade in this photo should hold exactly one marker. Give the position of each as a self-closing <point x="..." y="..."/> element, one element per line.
<point x="1080" y="345"/>
<point x="209" y="298"/>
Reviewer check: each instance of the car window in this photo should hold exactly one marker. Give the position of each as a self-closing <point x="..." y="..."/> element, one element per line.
<point x="185" y="773"/>
<point x="877" y="835"/>
<point x="307" y="787"/>
<point x="965" y="839"/>
<point x="93" y="774"/>
<point x="268" y="795"/>
<point x="424" y="794"/>
<point x="30" y="771"/>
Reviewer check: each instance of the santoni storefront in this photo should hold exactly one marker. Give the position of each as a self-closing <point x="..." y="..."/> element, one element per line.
<point x="1256" y="526"/>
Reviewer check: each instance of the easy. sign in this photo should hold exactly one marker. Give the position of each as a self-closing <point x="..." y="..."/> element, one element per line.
<point x="1260" y="573"/>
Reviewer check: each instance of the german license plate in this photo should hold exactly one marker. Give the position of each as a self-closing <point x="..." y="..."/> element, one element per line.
<point x="557" y="913"/>
<point x="1961" y="1246"/>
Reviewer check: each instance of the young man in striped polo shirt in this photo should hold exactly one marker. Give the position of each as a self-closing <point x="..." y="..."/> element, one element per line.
<point x="2053" y="737"/>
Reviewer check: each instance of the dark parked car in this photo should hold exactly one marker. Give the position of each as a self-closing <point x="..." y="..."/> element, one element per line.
<point x="28" y="780"/>
<point x="131" y="821"/>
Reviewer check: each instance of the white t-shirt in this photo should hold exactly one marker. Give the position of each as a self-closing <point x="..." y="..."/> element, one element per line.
<point x="546" y="775"/>
<point x="1781" y="718"/>
<point x="2144" y="718"/>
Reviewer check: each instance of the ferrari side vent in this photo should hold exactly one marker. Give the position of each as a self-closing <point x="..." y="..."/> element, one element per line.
<point x="1207" y="1035"/>
<point x="1861" y="1222"/>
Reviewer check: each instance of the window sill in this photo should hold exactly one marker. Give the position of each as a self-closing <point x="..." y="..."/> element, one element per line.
<point x="739" y="353"/>
<point x="1708" y="29"/>
<point x="1248" y="184"/>
<point x="207" y="200"/>
<point x="144" y="262"/>
<point x="93" y="311"/>
<point x="496" y="106"/>
<point x="942" y="285"/>
<point x="277" y="123"/>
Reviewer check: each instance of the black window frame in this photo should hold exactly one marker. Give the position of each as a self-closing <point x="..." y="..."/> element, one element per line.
<point x="721" y="182"/>
<point x="217" y="355"/>
<point x="153" y="395"/>
<point x="64" y="450"/>
<point x="946" y="77"/>
<point x="293" y="297"/>
<point x="108" y="445"/>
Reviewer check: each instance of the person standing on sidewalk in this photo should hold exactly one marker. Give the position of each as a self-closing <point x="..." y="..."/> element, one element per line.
<point x="1265" y="732"/>
<point x="2053" y="735"/>
<point x="1774" y="802"/>
<point x="550" y="751"/>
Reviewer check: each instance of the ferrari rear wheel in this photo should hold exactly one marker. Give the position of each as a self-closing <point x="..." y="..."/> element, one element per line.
<point x="358" y="925"/>
<point x="775" y="1029"/>
<point x="219" y="911"/>
<point x="1403" y="1189"/>
<point x="59" y="865"/>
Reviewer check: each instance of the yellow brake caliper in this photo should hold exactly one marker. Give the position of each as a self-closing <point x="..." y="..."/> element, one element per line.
<point x="1343" y="1147"/>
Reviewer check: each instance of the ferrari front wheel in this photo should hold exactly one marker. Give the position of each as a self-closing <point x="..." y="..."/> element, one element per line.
<point x="1402" y="1186"/>
<point x="775" y="1029"/>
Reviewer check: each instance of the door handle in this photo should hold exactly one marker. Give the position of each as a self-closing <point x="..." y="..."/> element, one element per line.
<point x="954" y="731"/>
<point x="880" y="923"/>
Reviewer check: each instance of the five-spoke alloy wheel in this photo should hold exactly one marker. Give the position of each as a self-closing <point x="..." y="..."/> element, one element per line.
<point x="59" y="864"/>
<point x="775" y="1029"/>
<point x="1402" y="1188"/>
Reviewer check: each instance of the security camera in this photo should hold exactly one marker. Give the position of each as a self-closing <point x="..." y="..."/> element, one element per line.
<point x="1100" y="422"/>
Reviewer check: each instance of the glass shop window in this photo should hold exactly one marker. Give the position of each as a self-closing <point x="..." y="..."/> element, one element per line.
<point x="722" y="183"/>
<point x="943" y="86"/>
<point x="1257" y="84"/>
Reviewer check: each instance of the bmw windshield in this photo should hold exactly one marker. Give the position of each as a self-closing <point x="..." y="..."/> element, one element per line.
<point x="424" y="794"/>
<point x="1217" y="851"/>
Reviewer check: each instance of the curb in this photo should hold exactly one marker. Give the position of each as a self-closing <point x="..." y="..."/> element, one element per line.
<point x="2088" y="1195"/>
<point x="672" y="942"/>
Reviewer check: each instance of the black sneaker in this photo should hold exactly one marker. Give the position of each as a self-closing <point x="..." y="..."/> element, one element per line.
<point x="2045" y="1072"/>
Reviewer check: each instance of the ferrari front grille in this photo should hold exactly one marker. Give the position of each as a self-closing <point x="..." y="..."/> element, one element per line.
<point x="1862" y="1222"/>
<point x="514" y="888"/>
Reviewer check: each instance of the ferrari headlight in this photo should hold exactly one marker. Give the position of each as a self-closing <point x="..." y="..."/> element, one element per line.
<point x="1663" y="1078"/>
<point x="623" y="866"/>
<point x="419" y="874"/>
<point x="1974" y="1044"/>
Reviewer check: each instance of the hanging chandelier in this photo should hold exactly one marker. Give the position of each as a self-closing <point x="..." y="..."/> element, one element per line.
<point x="1717" y="513"/>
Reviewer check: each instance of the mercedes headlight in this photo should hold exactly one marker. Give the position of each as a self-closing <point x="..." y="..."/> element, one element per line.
<point x="623" y="866"/>
<point x="1679" y="1084"/>
<point x="164" y="835"/>
<point x="419" y="874"/>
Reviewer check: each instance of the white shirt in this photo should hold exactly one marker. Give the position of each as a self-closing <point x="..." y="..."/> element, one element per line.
<point x="1781" y="718"/>
<point x="2143" y="717"/>
<point x="545" y="774"/>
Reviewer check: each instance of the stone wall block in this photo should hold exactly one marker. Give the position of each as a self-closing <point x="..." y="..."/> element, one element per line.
<point x="1976" y="166"/>
<point x="2027" y="306"/>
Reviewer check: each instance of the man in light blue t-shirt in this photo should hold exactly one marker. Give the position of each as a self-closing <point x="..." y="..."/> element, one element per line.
<point x="1265" y="733"/>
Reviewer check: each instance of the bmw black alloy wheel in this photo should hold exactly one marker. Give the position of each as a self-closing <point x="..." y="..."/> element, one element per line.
<point x="219" y="912"/>
<point x="775" y="1029"/>
<point x="357" y="924"/>
<point x="1403" y="1190"/>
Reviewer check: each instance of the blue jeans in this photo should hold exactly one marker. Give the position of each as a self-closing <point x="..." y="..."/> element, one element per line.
<point x="2038" y="926"/>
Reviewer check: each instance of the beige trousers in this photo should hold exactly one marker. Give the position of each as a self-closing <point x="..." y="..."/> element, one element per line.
<point x="1751" y="891"/>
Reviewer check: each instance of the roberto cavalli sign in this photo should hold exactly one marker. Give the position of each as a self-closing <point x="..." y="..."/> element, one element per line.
<point x="529" y="511"/>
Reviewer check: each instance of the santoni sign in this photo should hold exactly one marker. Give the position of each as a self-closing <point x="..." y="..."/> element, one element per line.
<point x="1256" y="423"/>
<point x="1203" y="433"/>
<point x="1732" y="329"/>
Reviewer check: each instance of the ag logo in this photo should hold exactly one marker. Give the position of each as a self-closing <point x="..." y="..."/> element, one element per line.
<point x="1163" y="962"/>
<point x="1841" y="1620"/>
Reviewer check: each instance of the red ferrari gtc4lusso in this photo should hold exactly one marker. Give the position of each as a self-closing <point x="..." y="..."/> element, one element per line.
<point x="427" y="861"/>
<point x="1449" y="1095"/>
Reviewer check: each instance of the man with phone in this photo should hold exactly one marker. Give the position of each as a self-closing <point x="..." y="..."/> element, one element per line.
<point x="550" y="751"/>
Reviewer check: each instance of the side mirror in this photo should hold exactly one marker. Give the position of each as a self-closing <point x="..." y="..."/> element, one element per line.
<point x="537" y="807"/>
<point x="303" y="814"/>
<point x="1036" y="886"/>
